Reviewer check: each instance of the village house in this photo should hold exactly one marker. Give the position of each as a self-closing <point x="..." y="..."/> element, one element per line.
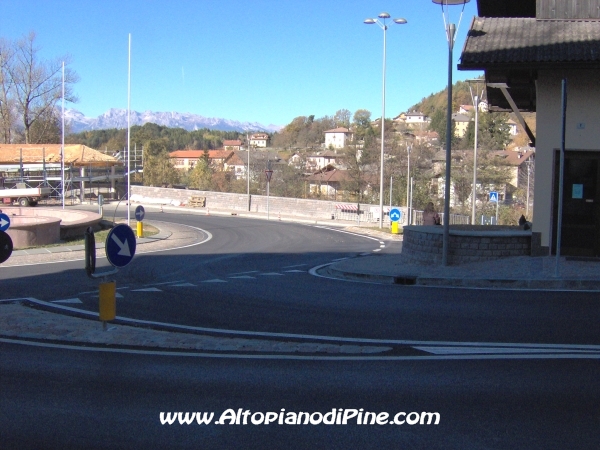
<point x="338" y="137"/>
<point x="187" y="159"/>
<point x="259" y="140"/>
<point x="232" y="144"/>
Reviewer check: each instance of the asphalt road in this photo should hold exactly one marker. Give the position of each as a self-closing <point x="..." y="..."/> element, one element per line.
<point x="253" y="275"/>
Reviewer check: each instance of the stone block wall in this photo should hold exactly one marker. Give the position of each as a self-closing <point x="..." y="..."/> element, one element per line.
<point x="299" y="207"/>
<point x="425" y="244"/>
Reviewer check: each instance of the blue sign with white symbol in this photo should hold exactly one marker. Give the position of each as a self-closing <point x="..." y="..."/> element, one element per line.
<point x="395" y="214"/>
<point x="139" y="213"/>
<point x="494" y="197"/>
<point x="4" y="222"/>
<point x="120" y="245"/>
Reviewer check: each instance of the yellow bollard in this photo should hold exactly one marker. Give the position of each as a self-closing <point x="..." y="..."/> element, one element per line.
<point x="108" y="301"/>
<point x="394" y="227"/>
<point x="140" y="229"/>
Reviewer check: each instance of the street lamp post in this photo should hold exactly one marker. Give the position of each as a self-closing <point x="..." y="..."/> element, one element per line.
<point x="269" y="174"/>
<point x="382" y="24"/>
<point x="451" y="31"/>
<point x="476" y="100"/>
<point x="408" y="149"/>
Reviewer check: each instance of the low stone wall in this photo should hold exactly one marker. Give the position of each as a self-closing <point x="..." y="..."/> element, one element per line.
<point x="424" y="244"/>
<point x="30" y="227"/>
<point x="308" y="208"/>
<point x="33" y="231"/>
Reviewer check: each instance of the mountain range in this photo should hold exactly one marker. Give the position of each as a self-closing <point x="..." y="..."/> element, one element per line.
<point x="117" y="118"/>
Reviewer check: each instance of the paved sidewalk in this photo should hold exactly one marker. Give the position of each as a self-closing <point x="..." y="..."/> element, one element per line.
<point x="521" y="272"/>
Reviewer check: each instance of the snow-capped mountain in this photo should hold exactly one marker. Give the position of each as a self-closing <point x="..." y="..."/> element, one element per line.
<point x="117" y="118"/>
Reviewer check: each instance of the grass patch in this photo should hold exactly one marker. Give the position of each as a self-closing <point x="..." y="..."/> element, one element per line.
<point x="100" y="237"/>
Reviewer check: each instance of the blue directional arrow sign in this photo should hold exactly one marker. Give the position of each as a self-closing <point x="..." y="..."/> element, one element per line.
<point x="120" y="245"/>
<point x="139" y="213"/>
<point x="4" y="222"/>
<point x="494" y="197"/>
<point x="395" y="214"/>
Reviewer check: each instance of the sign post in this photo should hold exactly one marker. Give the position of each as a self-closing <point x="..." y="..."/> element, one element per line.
<point x="269" y="174"/>
<point x="139" y="216"/>
<point x="494" y="198"/>
<point x="120" y="249"/>
<point x="395" y="215"/>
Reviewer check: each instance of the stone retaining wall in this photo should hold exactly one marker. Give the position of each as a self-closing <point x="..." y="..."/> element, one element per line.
<point x="309" y="208"/>
<point x="424" y="244"/>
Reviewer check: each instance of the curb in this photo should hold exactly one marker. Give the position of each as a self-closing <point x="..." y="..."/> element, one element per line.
<point x="407" y="279"/>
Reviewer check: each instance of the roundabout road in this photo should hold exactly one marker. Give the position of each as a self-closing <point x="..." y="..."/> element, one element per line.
<point x="241" y="274"/>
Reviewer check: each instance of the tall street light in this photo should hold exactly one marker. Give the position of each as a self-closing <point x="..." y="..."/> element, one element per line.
<point x="451" y="31"/>
<point x="382" y="24"/>
<point x="476" y="99"/>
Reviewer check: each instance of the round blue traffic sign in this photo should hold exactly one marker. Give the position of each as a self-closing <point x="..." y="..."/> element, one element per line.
<point x="120" y="245"/>
<point x="395" y="214"/>
<point x="4" y="222"/>
<point x="6" y="246"/>
<point x="139" y="213"/>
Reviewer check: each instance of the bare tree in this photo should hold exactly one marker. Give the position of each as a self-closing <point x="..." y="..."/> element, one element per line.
<point x="37" y="83"/>
<point x="7" y="106"/>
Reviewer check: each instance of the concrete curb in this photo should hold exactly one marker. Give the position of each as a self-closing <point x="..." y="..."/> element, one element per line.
<point x="411" y="279"/>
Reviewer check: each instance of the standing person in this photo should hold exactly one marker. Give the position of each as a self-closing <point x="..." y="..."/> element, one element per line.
<point x="430" y="217"/>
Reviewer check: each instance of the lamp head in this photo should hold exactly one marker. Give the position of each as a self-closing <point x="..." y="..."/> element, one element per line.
<point x="400" y="21"/>
<point x="370" y="21"/>
<point x="450" y="2"/>
<point x="384" y="15"/>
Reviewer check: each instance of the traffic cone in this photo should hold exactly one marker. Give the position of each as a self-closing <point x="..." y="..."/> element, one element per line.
<point x="279" y="215"/>
<point x="161" y="210"/>
<point x="207" y="212"/>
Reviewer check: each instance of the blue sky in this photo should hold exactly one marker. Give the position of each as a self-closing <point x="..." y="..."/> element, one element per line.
<point x="264" y="61"/>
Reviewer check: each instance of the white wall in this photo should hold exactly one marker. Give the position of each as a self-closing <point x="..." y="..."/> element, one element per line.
<point x="583" y="107"/>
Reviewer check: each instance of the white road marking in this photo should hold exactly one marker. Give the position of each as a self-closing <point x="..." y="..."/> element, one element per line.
<point x="244" y="273"/>
<point x="214" y="280"/>
<point x="296" y="265"/>
<point x="68" y="300"/>
<point x="268" y="274"/>
<point x="295" y="271"/>
<point x="151" y="289"/>
<point x="292" y="357"/>
<point x="184" y="285"/>
<point x="244" y="277"/>
<point x="494" y="350"/>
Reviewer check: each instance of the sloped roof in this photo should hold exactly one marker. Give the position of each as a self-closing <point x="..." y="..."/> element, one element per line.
<point x="195" y="154"/>
<point x="75" y="155"/>
<point x="329" y="176"/>
<point x="528" y="42"/>
<point x="339" y="130"/>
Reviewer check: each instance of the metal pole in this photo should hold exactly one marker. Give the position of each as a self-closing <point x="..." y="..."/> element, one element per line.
<point x="410" y="208"/>
<point x="561" y="175"/>
<point x="407" y="174"/>
<point x="382" y="134"/>
<point x="391" y="186"/>
<point x="528" y="174"/>
<point x="474" y="193"/>
<point x="129" y="134"/>
<point x="62" y="147"/>
<point x="446" y="238"/>
<point x="248" y="173"/>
